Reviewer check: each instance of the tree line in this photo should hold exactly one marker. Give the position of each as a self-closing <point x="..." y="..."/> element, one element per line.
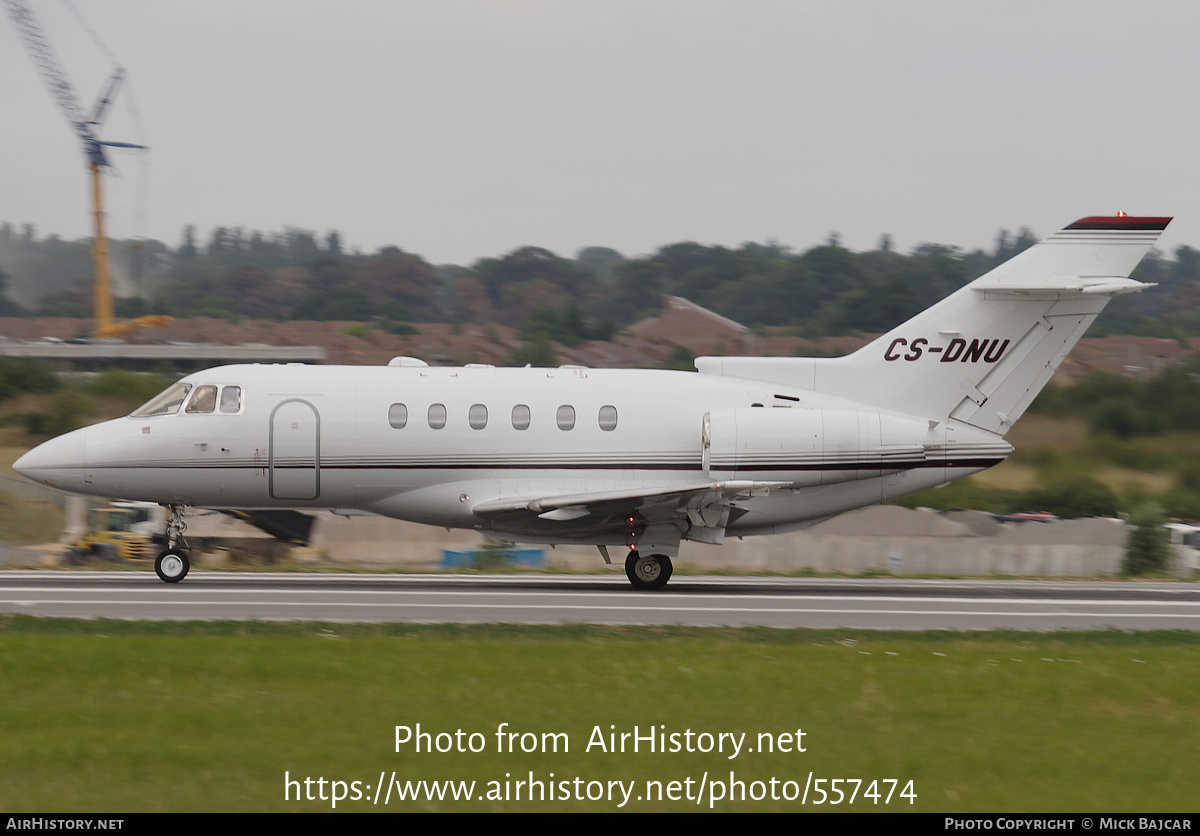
<point x="826" y="290"/>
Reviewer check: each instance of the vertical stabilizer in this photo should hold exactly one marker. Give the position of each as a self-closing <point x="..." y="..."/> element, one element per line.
<point x="983" y="353"/>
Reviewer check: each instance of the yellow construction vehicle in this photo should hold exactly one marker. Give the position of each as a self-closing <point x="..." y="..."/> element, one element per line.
<point x="123" y="530"/>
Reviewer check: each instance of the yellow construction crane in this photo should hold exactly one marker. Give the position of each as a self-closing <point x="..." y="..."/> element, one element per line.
<point x="86" y="126"/>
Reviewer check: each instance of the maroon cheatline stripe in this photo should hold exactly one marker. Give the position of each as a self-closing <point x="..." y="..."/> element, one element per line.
<point x="911" y="464"/>
<point x="1120" y="222"/>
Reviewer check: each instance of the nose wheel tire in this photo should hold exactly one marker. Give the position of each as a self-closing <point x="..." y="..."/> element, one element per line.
<point x="650" y="571"/>
<point x="171" y="566"/>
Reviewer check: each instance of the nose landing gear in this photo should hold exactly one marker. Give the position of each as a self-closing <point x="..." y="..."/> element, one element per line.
<point x="172" y="564"/>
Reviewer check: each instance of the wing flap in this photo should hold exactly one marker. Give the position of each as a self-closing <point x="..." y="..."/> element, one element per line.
<point x="650" y="503"/>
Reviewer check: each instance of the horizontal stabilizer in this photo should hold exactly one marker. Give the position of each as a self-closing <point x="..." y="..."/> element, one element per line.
<point x="1106" y="286"/>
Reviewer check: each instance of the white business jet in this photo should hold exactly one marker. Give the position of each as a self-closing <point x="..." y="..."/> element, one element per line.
<point x="638" y="460"/>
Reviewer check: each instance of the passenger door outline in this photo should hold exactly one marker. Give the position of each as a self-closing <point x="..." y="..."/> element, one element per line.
<point x="294" y="457"/>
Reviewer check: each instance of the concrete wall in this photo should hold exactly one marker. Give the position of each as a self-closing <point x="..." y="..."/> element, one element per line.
<point x="903" y="541"/>
<point x="913" y="556"/>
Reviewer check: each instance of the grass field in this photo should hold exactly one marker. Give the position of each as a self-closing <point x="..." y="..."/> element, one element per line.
<point x="126" y="717"/>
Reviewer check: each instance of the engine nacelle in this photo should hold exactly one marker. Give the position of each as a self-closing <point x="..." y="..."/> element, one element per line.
<point x="815" y="446"/>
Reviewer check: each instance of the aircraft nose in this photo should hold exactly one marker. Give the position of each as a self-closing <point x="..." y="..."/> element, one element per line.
<point x="60" y="462"/>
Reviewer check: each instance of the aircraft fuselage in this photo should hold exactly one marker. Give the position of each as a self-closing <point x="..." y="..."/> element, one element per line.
<point x="430" y="444"/>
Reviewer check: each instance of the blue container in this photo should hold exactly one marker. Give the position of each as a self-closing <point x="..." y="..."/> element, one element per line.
<point x="466" y="558"/>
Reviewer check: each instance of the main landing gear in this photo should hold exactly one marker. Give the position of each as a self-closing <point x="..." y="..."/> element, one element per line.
<point x="651" y="571"/>
<point x="172" y="564"/>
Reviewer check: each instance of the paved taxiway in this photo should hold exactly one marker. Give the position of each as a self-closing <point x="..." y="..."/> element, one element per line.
<point x="606" y="599"/>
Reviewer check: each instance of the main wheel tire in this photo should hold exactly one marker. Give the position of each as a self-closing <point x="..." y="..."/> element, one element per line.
<point x="171" y="566"/>
<point x="651" y="571"/>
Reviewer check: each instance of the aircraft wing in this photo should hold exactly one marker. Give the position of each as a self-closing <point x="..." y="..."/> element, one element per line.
<point x="699" y="507"/>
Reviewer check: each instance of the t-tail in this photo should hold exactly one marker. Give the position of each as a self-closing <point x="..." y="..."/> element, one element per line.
<point x="983" y="353"/>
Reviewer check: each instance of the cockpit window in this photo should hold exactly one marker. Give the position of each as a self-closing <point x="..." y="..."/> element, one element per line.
<point x="204" y="400"/>
<point x="231" y="399"/>
<point x="165" y="403"/>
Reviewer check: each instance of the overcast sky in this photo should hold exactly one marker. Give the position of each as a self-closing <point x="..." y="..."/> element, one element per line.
<point x="459" y="129"/>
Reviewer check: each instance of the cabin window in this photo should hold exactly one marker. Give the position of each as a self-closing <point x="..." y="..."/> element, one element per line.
<point x="204" y="400"/>
<point x="565" y="417"/>
<point x="608" y="418"/>
<point x="166" y="402"/>
<point x="477" y="416"/>
<point x="437" y="416"/>
<point x="520" y="417"/>
<point x="231" y="399"/>
<point x="398" y="415"/>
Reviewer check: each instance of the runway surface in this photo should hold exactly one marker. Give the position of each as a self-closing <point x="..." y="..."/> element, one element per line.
<point x="876" y="603"/>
